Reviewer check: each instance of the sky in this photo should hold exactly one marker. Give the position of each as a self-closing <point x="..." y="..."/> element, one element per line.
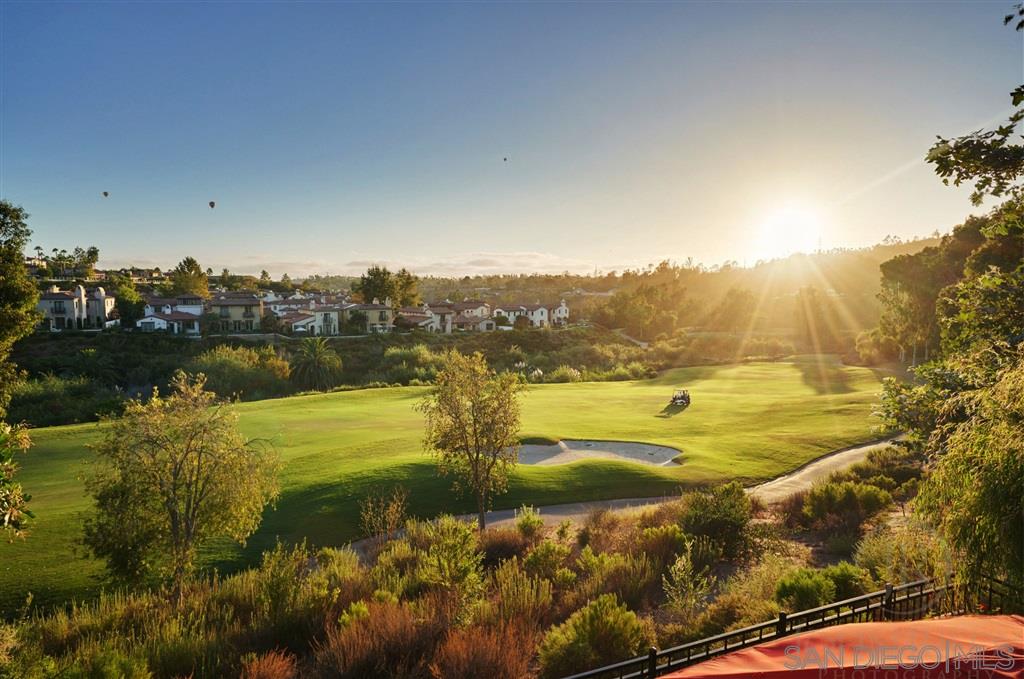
<point x="462" y="138"/>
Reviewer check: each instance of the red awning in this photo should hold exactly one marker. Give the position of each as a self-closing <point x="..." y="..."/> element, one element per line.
<point x="963" y="646"/>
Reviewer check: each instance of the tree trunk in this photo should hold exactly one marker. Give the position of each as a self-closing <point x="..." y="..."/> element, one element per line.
<point x="481" y="500"/>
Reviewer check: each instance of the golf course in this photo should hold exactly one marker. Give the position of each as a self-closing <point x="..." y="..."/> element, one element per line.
<point x="748" y="421"/>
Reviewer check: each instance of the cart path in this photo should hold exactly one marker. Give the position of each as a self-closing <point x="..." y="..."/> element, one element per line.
<point x="770" y="491"/>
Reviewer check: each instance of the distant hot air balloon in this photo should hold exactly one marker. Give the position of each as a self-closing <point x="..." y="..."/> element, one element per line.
<point x="106" y="193"/>
<point x="212" y="204"/>
<point x="505" y="160"/>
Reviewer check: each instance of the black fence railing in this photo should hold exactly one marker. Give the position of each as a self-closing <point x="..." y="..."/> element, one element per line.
<point x="909" y="601"/>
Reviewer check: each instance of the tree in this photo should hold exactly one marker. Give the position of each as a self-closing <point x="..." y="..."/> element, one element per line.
<point x="316" y="365"/>
<point x="264" y="278"/>
<point x="18" y="294"/>
<point x="376" y="284"/>
<point x="975" y="492"/>
<point x="286" y="282"/>
<point x="225" y="279"/>
<point x="175" y="474"/>
<point x="13" y="500"/>
<point x="130" y="304"/>
<point x="406" y="293"/>
<point x="735" y="312"/>
<point x="188" y="279"/>
<point x="472" y="426"/>
<point x="815" y="320"/>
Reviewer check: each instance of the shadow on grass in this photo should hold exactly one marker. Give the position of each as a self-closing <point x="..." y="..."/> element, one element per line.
<point x="824" y="373"/>
<point x="671" y="410"/>
<point x="679" y="377"/>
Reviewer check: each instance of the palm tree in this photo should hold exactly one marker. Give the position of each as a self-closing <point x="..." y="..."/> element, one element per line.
<point x="316" y="365"/>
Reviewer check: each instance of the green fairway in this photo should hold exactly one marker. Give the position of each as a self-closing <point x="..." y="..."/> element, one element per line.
<point x="748" y="422"/>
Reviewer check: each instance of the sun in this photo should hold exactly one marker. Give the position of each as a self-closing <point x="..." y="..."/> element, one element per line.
<point x="788" y="229"/>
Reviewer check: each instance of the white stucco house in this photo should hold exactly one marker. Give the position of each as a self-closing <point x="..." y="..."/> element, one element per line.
<point x="174" y="315"/>
<point x="76" y="309"/>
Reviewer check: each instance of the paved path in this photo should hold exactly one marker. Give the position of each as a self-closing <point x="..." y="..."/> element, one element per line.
<point x="769" y="491"/>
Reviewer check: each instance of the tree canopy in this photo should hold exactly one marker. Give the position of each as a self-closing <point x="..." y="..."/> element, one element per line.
<point x="472" y="426"/>
<point x="380" y="284"/>
<point x="173" y="474"/>
<point x="188" y="278"/>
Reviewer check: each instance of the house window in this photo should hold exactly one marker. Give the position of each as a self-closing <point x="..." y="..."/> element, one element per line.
<point x="58" y="307"/>
<point x="383" y="317"/>
<point x="248" y="325"/>
<point x="225" y="312"/>
<point x="238" y="326"/>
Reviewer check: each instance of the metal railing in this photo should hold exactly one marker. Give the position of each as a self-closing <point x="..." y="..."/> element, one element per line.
<point x="909" y="601"/>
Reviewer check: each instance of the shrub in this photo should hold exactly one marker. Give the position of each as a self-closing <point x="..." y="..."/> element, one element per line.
<point x="849" y="580"/>
<point x="452" y="562"/>
<point x="745" y="599"/>
<point x="845" y="505"/>
<point x="721" y="513"/>
<point x="51" y="400"/>
<point x="600" y="633"/>
<point x="912" y="552"/>
<point x="662" y="544"/>
<point x="602" y="531"/>
<point x="520" y="598"/>
<point x="250" y="374"/>
<point x="529" y="523"/>
<point x="546" y="558"/>
<point x="382" y="515"/>
<point x="686" y="585"/>
<point x="805" y="588"/>
<point x="473" y="653"/>
<point x="791" y="510"/>
<point x="564" y="373"/>
<point x="630" y="577"/>
<point x="391" y="641"/>
<point x="500" y="544"/>
<point x="272" y="665"/>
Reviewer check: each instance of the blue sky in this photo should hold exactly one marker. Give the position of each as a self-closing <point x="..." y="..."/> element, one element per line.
<point x="332" y="135"/>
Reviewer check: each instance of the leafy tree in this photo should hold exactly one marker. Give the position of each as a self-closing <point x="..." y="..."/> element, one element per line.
<point x="406" y="293"/>
<point x="377" y="283"/>
<point x="472" y="426"/>
<point x="130" y="304"/>
<point x="735" y="311"/>
<point x="18" y="294"/>
<point x="264" y="278"/>
<point x="315" y="365"/>
<point x="975" y="492"/>
<point x="815" y="318"/>
<point x="175" y="474"/>
<point x="13" y="500"/>
<point x="188" y="278"/>
<point x="286" y="282"/>
<point x="225" y="279"/>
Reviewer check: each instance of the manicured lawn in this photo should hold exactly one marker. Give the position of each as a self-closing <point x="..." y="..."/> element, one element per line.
<point x="748" y="422"/>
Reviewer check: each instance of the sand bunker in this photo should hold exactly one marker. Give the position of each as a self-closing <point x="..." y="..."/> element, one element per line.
<point x="570" y="450"/>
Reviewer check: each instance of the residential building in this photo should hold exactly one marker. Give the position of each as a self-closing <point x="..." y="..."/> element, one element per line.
<point x="471" y="307"/>
<point x="236" y="311"/>
<point x="379" y="317"/>
<point x="298" y="322"/>
<point x="174" y="322"/>
<point x="472" y="323"/>
<point x="77" y="309"/>
<point x="559" y="315"/>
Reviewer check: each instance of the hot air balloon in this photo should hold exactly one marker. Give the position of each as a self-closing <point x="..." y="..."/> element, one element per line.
<point x="212" y="204"/>
<point x="106" y="193"/>
<point x="505" y="160"/>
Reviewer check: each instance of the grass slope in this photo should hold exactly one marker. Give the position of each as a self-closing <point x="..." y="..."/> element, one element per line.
<point x="749" y="422"/>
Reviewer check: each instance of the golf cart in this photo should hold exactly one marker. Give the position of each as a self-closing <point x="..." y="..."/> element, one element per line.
<point x="680" y="398"/>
